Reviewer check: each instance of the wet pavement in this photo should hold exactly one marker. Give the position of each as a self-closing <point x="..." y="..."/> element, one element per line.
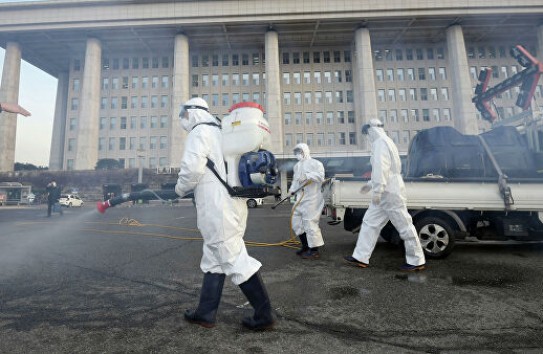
<point x="120" y="282"/>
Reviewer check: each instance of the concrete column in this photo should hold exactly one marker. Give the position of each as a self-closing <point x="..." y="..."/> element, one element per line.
<point x="89" y="110"/>
<point x="9" y="92"/>
<point x="274" y="111"/>
<point x="181" y="90"/>
<point x="464" y="111"/>
<point x="56" y="157"/>
<point x="364" y="81"/>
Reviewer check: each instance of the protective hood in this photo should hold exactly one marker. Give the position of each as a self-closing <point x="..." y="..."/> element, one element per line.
<point x="374" y="129"/>
<point x="197" y="113"/>
<point x="305" y="150"/>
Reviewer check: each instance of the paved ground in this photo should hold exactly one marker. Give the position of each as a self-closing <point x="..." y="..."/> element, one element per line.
<point x="119" y="282"/>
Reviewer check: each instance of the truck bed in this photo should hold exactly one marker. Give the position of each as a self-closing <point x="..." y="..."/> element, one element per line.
<point x="443" y="193"/>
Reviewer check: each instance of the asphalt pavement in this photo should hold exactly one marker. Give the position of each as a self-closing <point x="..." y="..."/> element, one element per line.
<point x="119" y="282"/>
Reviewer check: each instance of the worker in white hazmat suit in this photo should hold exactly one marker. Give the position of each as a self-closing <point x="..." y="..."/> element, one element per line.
<point x="221" y="220"/>
<point x="306" y="184"/>
<point x="388" y="202"/>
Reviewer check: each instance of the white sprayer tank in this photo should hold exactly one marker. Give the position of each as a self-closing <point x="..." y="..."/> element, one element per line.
<point x="243" y="130"/>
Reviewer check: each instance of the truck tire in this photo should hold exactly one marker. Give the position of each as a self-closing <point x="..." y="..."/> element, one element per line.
<point x="436" y="237"/>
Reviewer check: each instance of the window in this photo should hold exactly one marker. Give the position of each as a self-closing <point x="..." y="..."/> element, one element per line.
<point x="154" y="101"/>
<point x="432" y="73"/>
<point x="426" y="115"/>
<point x="308" y="118"/>
<point x="352" y="138"/>
<point x="326" y="57"/>
<point x="350" y="117"/>
<point x="225" y="60"/>
<point x="205" y="80"/>
<point x="435" y="114"/>
<point x="286" y="98"/>
<point x="144" y="82"/>
<point x="225" y="99"/>
<point x="71" y="144"/>
<point x="296" y="78"/>
<point x="411" y="74"/>
<point x="338" y="76"/>
<point x="404" y="115"/>
<point x="297" y="98"/>
<point x="339" y="97"/>
<point x="347" y="56"/>
<point x="413" y="94"/>
<point x="400" y="74"/>
<point x="341" y="138"/>
<point x="320" y="139"/>
<point x="446" y="114"/>
<point x="337" y="56"/>
<point x="164" y="121"/>
<point x="318" y="118"/>
<point x="256" y="79"/>
<point x="245" y="59"/>
<point x="341" y="117"/>
<point x="133" y="122"/>
<point x="286" y="58"/>
<point x="391" y="96"/>
<point x="286" y="78"/>
<point x="409" y="54"/>
<point x="393" y="116"/>
<point x="224" y="79"/>
<point x="115" y="83"/>
<point x="163" y="142"/>
<point x="401" y="94"/>
<point x="306" y="57"/>
<point x="419" y="54"/>
<point x="296" y="58"/>
<point x="316" y="57"/>
<point x="330" y="118"/>
<point x="399" y="55"/>
<point x="348" y="76"/>
<point x="383" y="115"/>
<point x="299" y="138"/>
<point x="154" y="122"/>
<point x="433" y="93"/>
<point x="298" y="118"/>
<point x="381" y="95"/>
<point x="317" y="76"/>
<point x="415" y="115"/>
<point x="235" y="59"/>
<point x="424" y="94"/>
<point x="134" y="82"/>
<point x="288" y="139"/>
<point x="307" y="77"/>
<point x="124" y="102"/>
<point x="111" y="145"/>
<point x="101" y="144"/>
<point x="75" y="85"/>
<point x="112" y="123"/>
<point x="422" y="74"/>
<point x="235" y="79"/>
<point x="307" y="97"/>
<point x="442" y="73"/>
<point x="390" y="74"/>
<point x="318" y="97"/>
<point x="288" y="118"/>
<point x="445" y="93"/>
<point x="123" y="123"/>
<point x="245" y="79"/>
<point x="143" y="122"/>
<point x="73" y="124"/>
<point x="328" y="97"/>
<point x="379" y="74"/>
<point x="309" y="139"/>
<point x="331" y="141"/>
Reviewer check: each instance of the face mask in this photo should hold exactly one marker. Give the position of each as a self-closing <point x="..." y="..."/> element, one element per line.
<point x="185" y="123"/>
<point x="299" y="156"/>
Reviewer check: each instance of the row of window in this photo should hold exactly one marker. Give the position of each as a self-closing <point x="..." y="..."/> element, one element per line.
<point x="318" y="118"/>
<point x="316" y="97"/>
<point x="398" y="54"/>
<point x="131" y="143"/>
<point x="340" y="139"/>
<point x="490" y="52"/>
<point x="143" y="122"/>
<point x="305" y="57"/>
<point x="320" y="139"/>
<point x="415" y="115"/>
<point x="401" y="74"/>
<point x="129" y="63"/>
<point x="319" y="77"/>
<point x="132" y="162"/>
<point x="432" y="93"/>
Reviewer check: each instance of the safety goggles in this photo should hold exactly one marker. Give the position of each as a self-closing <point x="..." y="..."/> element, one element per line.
<point x="185" y="108"/>
<point x="298" y="151"/>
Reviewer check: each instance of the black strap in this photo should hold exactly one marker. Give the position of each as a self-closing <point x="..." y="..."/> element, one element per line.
<point x="211" y="165"/>
<point x="208" y="123"/>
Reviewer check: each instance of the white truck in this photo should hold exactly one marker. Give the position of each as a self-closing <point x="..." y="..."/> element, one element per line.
<point x="486" y="187"/>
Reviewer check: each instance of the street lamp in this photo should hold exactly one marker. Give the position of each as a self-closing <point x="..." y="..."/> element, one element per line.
<point x="140" y="154"/>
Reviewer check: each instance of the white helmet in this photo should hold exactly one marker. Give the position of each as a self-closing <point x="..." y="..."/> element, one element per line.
<point x="194" y="103"/>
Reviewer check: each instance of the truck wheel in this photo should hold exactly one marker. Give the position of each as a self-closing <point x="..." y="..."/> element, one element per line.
<point x="251" y="203"/>
<point x="436" y="237"/>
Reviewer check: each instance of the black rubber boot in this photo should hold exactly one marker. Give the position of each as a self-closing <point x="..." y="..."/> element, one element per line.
<point x="312" y="253"/>
<point x="210" y="297"/>
<point x="255" y="292"/>
<point x="305" y="247"/>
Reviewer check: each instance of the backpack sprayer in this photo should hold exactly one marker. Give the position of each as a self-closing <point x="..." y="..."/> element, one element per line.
<point x="252" y="169"/>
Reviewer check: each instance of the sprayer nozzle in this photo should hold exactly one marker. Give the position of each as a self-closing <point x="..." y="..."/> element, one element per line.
<point x="102" y="206"/>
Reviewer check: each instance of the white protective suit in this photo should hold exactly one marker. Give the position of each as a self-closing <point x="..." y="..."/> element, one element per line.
<point x="388" y="200"/>
<point x="307" y="212"/>
<point x="221" y="219"/>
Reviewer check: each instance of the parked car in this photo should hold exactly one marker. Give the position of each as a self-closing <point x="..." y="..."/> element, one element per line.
<point x="254" y="202"/>
<point x="69" y="200"/>
<point x="31" y="198"/>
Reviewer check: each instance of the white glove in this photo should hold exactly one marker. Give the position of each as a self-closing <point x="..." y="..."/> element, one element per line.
<point x="365" y="189"/>
<point x="376" y="199"/>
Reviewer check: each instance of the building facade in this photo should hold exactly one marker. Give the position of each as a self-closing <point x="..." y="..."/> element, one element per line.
<point x="320" y="69"/>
